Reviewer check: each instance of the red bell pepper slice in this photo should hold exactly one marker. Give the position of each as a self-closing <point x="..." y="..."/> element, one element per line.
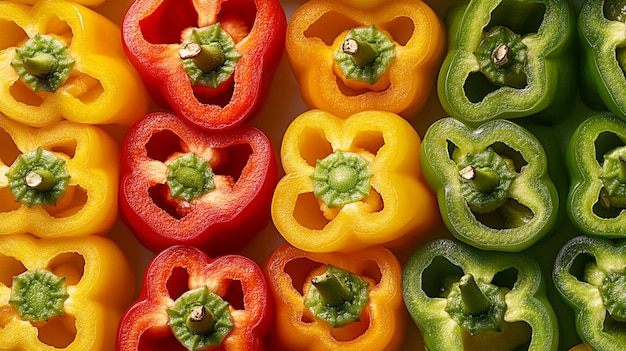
<point x="180" y="269"/>
<point x="153" y="31"/>
<point x="221" y="220"/>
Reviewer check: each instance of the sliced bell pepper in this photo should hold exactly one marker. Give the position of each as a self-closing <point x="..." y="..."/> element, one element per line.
<point x="57" y="181"/>
<point x="492" y="183"/>
<point x="351" y="183"/>
<point x="191" y="301"/>
<point x="182" y="185"/>
<point x="62" y="293"/>
<point x="509" y="59"/>
<point x="601" y="26"/>
<point x="60" y="60"/>
<point x="462" y="298"/>
<point x="403" y="42"/>
<point x="369" y="279"/>
<point x="596" y="160"/>
<point x="212" y="61"/>
<point x="589" y="274"/>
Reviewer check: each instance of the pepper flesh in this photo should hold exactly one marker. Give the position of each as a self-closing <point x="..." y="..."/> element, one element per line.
<point x="591" y="207"/>
<point x="528" y="321"/>
<point x="399" y="206"/>
<point x="289" y="272"/>
<point x="221" y="220"/>
<point x="102" y="87"/>
<point x="530" y="208"/>
<point x="543" y="85"/>
<point x="152" y="32"/>
<point x="89" y="203"/>
<point x="91" y="311"/>
<point x="582" y="270"/>
<point x="236" y="279"/>
<point x="316" y="32"/>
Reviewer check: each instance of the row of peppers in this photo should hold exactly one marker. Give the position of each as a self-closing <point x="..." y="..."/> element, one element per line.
<point x="353" y="165"/>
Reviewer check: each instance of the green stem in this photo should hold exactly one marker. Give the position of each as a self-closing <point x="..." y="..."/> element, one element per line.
<point x="38" y="295"/>
<point x="615" y="10"/>
<point x="40" y="65"/>
<point x="207" y="57"/>
<point x="362" y="52"/>
<point x="613" y="176"/>
<point x="341" y="178"/>
<point x="482" y="179"/>
<point x="501" y="56"/>
<point x="612" y="290"/>
<point x="40" y="179"/>
<point x="331" y="290"/>
<point x="189" y="177"/>
<point x="474" y="300"/>
<point x="200" y="320"/>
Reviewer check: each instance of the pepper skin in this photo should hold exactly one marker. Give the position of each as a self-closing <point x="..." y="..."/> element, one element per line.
<point x="316" y="31"/>
<point x="88" y="205"/>
<point x="220" y="220"/>
<point x="600" y="30"/>
<point x="594" y="161"/>
<point x="98" y="280"/>
<point x="589" y="275"/>
<point x="102" y="87"/>
<point x="394" y="205"/>
<point x="433" y="272"/>
<point x="516" y="203"/>
<point x="153" y="30"/>
<point x="467" y="84"/>
<point x="382" y="324"/>
<point x="181" y="269"/>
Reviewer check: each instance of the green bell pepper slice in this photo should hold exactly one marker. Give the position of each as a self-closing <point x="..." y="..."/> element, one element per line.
<point x="436" y="270"/>
<point x="601" y="30"/>
<point x="590" y="274"/>
<point x="521" y="204"/>
<point x="596" y="160"/>
<point x="508" y="59"/>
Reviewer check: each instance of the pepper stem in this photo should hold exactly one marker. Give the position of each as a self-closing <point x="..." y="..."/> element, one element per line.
<point x="40" y="65"/>
<point x="38" y="295"/>
<point x="341" y="178"/>
<point x="208" y="57"/>
<point x="200" y="320"/>
<point x="482" y="179"/>
<point x="500" y="56"/>
<point x="332" y="292"/>
<point x="362" y="52"/>
<point x="40" y="179"/>
<point x="189" y="176"/>
<point x="474" y="300"/>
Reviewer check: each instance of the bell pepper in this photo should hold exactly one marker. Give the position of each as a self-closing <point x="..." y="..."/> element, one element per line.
<point x="351" y="183"/>
<point x="61" y="60"/>
<point x="462" y="298"/>
<point x="589" y="274"/>
<point x="57" y="181"/>
<point x="211" y="62"/>
<point x="62" y="293"/>
<point x="600" y="28"/>
<point x="596" y="160"/>
<point x="508" y="59"/>
<point x="182" y="185"/>
<point x="400" y="47"/>
<point x="304" y="293"/>
<point x="191" y="301"/>
<point x="492" y="183"/>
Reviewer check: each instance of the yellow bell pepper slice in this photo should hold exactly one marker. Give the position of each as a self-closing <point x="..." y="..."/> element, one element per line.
<point x="321" y="208"/>
<point x="97" y="284"/>
<point x="89" y="203"/>
<point x="101" y="88"/>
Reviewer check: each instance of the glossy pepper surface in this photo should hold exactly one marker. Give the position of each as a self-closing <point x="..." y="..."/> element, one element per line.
<point x="462" y="298"/>
<point x="80" y="196"/>
<point x="403" y="40"/>
<point x="291" y="275"/>
<point x="589" y="274"/>
<point x="492" y="183"/>
<point x="231" y="288"/>
<point x="596" y="160"/>
<point x="508" y="59"/>
<point x="62" y="293"/>
<point x="600" y="27"/>
<point x="74" y="57"/>
<point x="211" y="61"/>
<point x="351" y="183"/>
<point x="182" y="185"/>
